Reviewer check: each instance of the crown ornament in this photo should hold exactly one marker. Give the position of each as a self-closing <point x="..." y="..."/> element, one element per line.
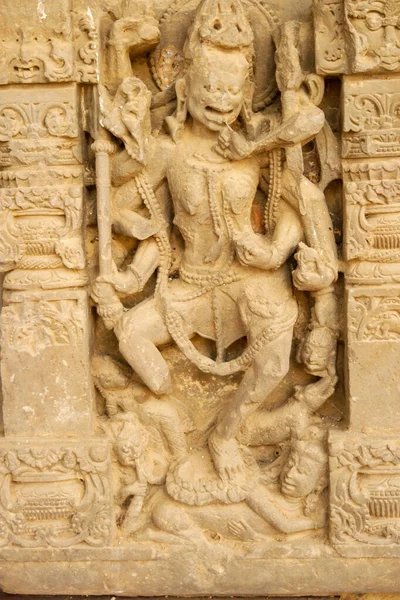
<point x="220" y="23"/>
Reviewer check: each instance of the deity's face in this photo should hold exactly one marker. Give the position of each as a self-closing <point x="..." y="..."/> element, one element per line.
<point x="35" y="55"/>
<point x="108" y="374"/>
<point x="126" y="453"/>
<point x="215" y="88"/>
<point x="318" y="350"/>
<point x="300" y="474"/>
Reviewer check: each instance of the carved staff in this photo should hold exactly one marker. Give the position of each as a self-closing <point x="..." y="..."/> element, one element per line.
<point x="289" y="77"/>
<point x="103" y="149"/>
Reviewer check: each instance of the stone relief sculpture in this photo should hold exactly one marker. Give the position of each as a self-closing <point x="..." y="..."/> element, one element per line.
<point x="199" y="371"/>
<point x="232" y="282"/>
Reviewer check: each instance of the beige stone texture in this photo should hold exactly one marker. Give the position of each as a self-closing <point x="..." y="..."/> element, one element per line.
<point x="200" y="323"/>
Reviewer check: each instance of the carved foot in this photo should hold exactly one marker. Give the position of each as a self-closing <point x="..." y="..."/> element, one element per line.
<point x="226" y="456"/>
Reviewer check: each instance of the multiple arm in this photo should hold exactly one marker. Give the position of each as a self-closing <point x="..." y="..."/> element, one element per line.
<point x="256" y="250"/>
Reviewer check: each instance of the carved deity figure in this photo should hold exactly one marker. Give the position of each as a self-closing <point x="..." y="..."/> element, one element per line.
<point x="374" y="27"/>
<point x="293" y="502"/>
<point x="233" y="282"/>
<point x="147" y="434"/>
<point x="290" y="496"/>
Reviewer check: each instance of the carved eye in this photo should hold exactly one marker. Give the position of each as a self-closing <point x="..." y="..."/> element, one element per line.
<point x="234" y="90"/>
<point x="374" y="21"/>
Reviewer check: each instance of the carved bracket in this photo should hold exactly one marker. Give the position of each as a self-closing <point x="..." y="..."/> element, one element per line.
<point x="55" y="493"/>
<point x="365" y="496"/>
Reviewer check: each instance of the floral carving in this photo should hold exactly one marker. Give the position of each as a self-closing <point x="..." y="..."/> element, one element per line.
<point x="34" y="132"/>
<point x="374" y="318"/>
<point x="87" y="64"/>
<point x="331" y="56"/>
<point x="40" y="324"/>
<point x="55" y="495"/>
<point x="365" y="498"/>
<point x="371" y="120"/>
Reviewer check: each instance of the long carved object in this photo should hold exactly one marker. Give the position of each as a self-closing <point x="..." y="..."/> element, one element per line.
<point x="103" y="150"/>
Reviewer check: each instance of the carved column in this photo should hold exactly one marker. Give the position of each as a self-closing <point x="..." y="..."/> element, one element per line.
<point x="45" y="326"/>
<point x="53" y="472"/>
<point x="365" y="503"/>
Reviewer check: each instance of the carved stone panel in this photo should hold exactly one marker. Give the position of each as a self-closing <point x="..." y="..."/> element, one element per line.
<point x="365" y="498"/>
<point x="41" y="228"/>
<point x="55" y="494"/>
<point x="371" y="118"/>
<point x="357" y="36"/>
<point x="372" y="31"/>
<point x="49" y="42"/>
<point x="44" y="130"/>
<point x="373" y="318"/>
<point x="331" y="57"/>
<point x="46" y="333"/>
<point x="200" y="322"/>
<point x="372" y="211"/>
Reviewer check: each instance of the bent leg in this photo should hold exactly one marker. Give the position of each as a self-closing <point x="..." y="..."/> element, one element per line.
<point x="139" y="332"/>
<point x="166" y="417"/>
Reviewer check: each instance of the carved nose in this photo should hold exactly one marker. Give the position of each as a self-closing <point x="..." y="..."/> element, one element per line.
<point x="224" y="102"/>
<point x="25" y="52"/>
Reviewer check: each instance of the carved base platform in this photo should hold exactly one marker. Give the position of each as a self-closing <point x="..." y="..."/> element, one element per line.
<point x="138" y="572"/>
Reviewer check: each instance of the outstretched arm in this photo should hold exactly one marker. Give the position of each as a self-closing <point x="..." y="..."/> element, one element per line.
<point x="300" y="128"/>
<point x="260" y="503"/>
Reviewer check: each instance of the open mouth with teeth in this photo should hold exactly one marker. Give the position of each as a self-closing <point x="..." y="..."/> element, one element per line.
<point x="217" y="114"/>
<point x="26" y="71"/>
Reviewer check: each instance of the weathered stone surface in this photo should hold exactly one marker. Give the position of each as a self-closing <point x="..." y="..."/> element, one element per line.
<point x="199" y="337"/>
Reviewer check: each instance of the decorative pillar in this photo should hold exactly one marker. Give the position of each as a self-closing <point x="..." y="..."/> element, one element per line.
<point x="365" y="459"/>
<point x="54" y="474"/>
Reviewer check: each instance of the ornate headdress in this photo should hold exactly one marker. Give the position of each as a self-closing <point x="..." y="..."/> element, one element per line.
<point x="224" y="24"/>
<point x="219" y="23"/>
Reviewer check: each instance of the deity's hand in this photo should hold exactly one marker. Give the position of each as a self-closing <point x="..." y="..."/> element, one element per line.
<point x="125" y="282"/>
<point x="232" y="145"/>
<point x="130" y="33"/>
<point x="138" y="488"/>
<point x="312" y="273"/>
<point x="109" y="306"/>
<point x="242" y="530"/>
<point x="253" y="251"/>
